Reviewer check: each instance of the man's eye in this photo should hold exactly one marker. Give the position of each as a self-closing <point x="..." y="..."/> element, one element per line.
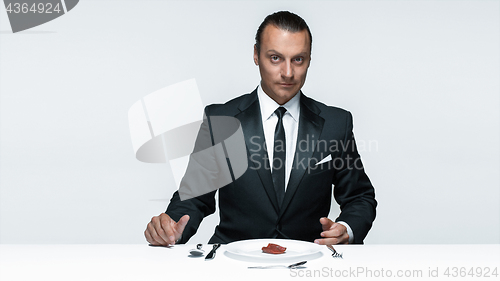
<point x="299" y="59"/>
<point x="275" y="58"/>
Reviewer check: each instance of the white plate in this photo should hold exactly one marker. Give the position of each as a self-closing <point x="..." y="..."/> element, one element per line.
<point x="251" y="250"/>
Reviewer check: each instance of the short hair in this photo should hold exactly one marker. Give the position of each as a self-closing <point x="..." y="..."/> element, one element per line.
<point x="283" y="20"/>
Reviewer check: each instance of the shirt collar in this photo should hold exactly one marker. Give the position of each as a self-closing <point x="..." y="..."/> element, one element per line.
<point x="268" y="105"/>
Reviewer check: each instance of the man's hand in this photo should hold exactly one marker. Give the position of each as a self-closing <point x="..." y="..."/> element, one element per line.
<point x="333" y="233"/>
<point x="164" y="231"/>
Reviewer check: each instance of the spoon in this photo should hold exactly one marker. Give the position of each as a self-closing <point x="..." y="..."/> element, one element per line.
<point x="198" y="251"/>
<point x="285" y="266"/>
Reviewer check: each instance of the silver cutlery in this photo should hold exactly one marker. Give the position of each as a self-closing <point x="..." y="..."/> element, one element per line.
<point x="211" y="255"/>
<point x="335" y="253"/>
<point x="198" y="251"/>
<point x="285" y="266"/>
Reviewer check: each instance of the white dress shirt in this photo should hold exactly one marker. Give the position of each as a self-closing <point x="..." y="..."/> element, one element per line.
<point x="291" y="126"/>
<point x="290" y="123"/>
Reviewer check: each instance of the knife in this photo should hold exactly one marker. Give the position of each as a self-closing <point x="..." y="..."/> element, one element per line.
<point x="211" y="255"/>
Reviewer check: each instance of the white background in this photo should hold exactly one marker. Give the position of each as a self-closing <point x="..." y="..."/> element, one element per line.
<point x="420" y="77"/>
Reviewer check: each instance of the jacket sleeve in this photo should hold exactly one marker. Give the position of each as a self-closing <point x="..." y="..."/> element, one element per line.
<point x="195" y="179"/>
<point x="353" y="190"/>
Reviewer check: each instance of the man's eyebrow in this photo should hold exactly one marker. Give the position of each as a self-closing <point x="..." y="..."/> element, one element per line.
<point x="274" y="52"/>
<point x="303" y="54"/>
<point x="279" y="54"/>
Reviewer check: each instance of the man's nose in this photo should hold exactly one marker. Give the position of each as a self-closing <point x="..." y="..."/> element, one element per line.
<point x="287" y="70"/>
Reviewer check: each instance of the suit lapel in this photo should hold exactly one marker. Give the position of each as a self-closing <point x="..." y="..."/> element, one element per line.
<point x="310" y="128"/>
<point x="251" y="123"/>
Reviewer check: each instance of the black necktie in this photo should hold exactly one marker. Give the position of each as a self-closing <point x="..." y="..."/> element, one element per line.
<point x="279" y="156"/>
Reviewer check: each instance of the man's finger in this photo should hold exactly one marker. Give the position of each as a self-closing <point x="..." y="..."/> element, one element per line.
<point x="167" y="226"/>
<point x="343" y="239"/>
<point x="335" y="231"/>
<point x="154" y="236"/>
<point x="160" y="230"/>
<point x="174" y="229"/>
<point x="181" y="224"/>
<point x="326" y="223"/>
<point x="327" y="241"/>
<point x="149" y="238"/>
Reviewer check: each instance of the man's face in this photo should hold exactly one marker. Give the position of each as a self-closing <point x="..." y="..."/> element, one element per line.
<point x="283" y="62"/>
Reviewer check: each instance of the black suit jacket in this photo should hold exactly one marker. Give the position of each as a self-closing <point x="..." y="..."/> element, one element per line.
<point x="248" y="206"/>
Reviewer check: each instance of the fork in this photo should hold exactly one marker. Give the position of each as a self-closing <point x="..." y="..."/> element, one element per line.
<point x="335" y="253"/>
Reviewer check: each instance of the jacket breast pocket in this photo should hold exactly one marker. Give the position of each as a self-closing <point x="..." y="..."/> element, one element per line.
<point x="320" y="165"/>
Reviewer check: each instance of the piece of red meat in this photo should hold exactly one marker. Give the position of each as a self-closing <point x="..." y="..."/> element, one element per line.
<point x="273" y="249"/>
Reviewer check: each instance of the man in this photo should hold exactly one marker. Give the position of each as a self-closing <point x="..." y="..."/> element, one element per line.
<point x="314" y="141"/>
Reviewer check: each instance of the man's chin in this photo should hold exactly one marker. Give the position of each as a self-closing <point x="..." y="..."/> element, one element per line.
<point x="281" y="95"/>
<point x="288" y="95"/>
<point x="284" y="99"/>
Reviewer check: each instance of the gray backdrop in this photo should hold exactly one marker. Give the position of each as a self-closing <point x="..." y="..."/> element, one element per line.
<point x="420" y="77"/>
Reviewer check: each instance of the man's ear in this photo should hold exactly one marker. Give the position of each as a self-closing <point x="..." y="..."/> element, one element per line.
<point x="255" y="55"/>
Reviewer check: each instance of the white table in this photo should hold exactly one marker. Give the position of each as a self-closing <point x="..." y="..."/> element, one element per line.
<point x="142" y="262"/>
